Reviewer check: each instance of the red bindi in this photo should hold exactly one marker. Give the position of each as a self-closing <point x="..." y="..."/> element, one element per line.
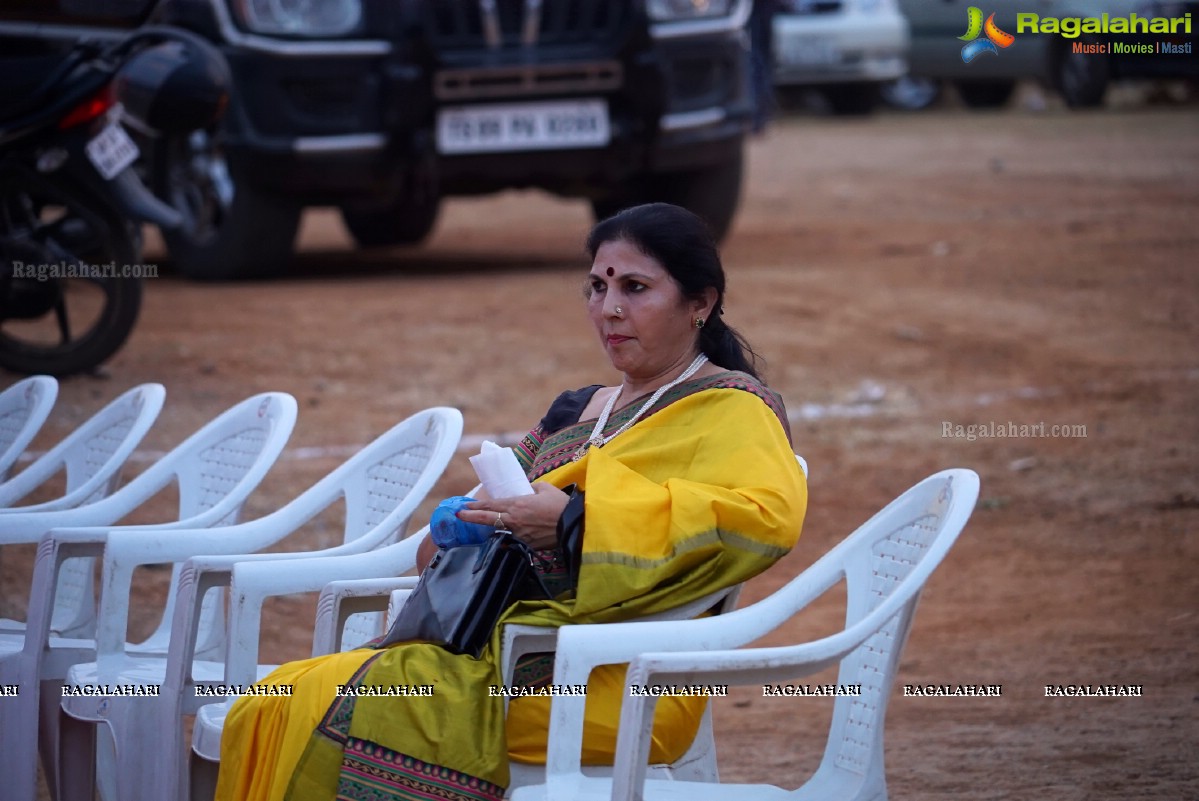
<point x="611" y="272"/>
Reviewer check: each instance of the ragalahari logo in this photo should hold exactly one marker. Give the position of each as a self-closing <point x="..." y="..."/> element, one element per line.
<point x="995" y="38"/>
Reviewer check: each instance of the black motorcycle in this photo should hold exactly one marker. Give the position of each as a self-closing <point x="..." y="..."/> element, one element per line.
<point x="71" y="201"/>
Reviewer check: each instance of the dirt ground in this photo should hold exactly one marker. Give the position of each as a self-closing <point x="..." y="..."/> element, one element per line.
<point x="901" y="274"/>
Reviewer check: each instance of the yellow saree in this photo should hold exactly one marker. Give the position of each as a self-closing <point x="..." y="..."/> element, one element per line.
<point x="702" y="494"/>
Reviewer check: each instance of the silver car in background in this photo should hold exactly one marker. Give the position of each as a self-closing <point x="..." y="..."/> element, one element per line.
<point x="844" y="49"/>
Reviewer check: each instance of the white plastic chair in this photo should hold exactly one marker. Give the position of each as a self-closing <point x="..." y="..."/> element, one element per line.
<point x="251" y="583"/>
<point x="347" y="590"/>
<point x="382" y="485"/>
<point x="328" y="638"/>
<point x="91" y="457"/>
<point x="885" y="565"/>
<point x="24" y="406"/>
<point x="215" y="470"/>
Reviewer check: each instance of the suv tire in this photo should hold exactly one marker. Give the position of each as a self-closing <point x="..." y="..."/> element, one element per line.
<point x="986" y="94"/>
<point x="1081" y="78"/>
<point x="852" y="99"/>
<point x="231" y="230"/>
<point x="406" y="221"/>
<point x="712" y="193"/>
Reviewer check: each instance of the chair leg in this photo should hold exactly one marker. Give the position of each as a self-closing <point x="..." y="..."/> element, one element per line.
<point x="107" y="766"/>
<point x="202" y="776"/>
<point x="76" y="774"/>
<point x="47" y="732"/>
<point x="165" y="764"/>
<point x="18" y="742"/>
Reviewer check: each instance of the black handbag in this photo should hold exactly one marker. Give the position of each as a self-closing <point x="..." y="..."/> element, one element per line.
<point x="463" y="591"/>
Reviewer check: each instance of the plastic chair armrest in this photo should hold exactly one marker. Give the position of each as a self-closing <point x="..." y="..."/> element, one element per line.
<point x="397" y="600"/>
<point x="340" y="599"/>
<point x="55" y="547"/>
<point x="253" y="582"/>
<point x="198" y="576"/>
<point x="130" y="547"/>
<point x="748" y="666"/>
<point x="519" y="640"/>
<point x="583" y="648"/>
<point x="144" y="545"/>
<point x="223" y="563"/>
<point x="27" y="527"/>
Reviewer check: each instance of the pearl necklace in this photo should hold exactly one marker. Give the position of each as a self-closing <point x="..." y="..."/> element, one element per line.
<point x="598" y="440"/>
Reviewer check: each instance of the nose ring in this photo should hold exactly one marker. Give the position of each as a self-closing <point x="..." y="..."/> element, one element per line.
<point x="619" y="310"/>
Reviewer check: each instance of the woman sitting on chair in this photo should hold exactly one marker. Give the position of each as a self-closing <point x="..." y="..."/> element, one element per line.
<point x="690" y="485"/>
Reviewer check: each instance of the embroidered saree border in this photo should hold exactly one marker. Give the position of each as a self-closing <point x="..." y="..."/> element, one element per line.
<point x="371" y="772"/>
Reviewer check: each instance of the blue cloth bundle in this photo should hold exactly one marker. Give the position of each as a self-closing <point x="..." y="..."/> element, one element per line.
<point x="448" y="531"/>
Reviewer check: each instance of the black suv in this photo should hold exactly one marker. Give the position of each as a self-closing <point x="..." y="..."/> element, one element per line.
<point x="383" y="107"/>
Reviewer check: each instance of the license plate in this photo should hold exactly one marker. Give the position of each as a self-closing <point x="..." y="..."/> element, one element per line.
<point x="552" y="125"/>
<point x="111" y="150"/>
<point x="808" y="51"/>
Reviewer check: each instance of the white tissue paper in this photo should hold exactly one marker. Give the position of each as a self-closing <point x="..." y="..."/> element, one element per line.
<point x="500" y="472"/>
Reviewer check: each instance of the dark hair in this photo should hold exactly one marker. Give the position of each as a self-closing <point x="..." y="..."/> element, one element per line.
<point x="681" y="242"/>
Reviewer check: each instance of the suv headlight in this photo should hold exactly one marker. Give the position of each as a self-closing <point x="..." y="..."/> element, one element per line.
<point x="299" y="17"/>
<point x="681" y="10"/>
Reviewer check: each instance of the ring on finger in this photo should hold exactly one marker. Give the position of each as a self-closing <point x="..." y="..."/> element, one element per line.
<point x="499" y="520"/>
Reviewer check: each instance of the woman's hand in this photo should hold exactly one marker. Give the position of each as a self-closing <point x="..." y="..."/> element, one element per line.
<point x="531" y="518"/>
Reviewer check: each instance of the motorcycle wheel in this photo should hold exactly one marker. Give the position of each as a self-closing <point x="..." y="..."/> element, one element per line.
<point x="63" y="309"/>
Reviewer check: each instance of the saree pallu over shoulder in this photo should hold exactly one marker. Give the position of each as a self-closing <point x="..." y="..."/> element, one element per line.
<point x="543" y="451"/>
<point x="702" y="494"/>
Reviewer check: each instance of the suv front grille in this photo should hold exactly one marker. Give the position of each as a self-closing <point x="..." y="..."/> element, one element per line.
<point x="542" y="79"/>
<point x="471" y="24"/>
<point x="813" y="7"/>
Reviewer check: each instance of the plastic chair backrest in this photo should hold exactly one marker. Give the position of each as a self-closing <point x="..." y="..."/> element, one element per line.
<point x="894" y="541"/>
<point x="215" y="470"/>
<point x="24" y="406"/>
<point x="895" y="544"/>
<point x="698" y="763"/>
<point x="92" y="457"/>
<point x="218" y="467"/>
<point x="885" y="564"/>
<point x="376" y="481"/>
